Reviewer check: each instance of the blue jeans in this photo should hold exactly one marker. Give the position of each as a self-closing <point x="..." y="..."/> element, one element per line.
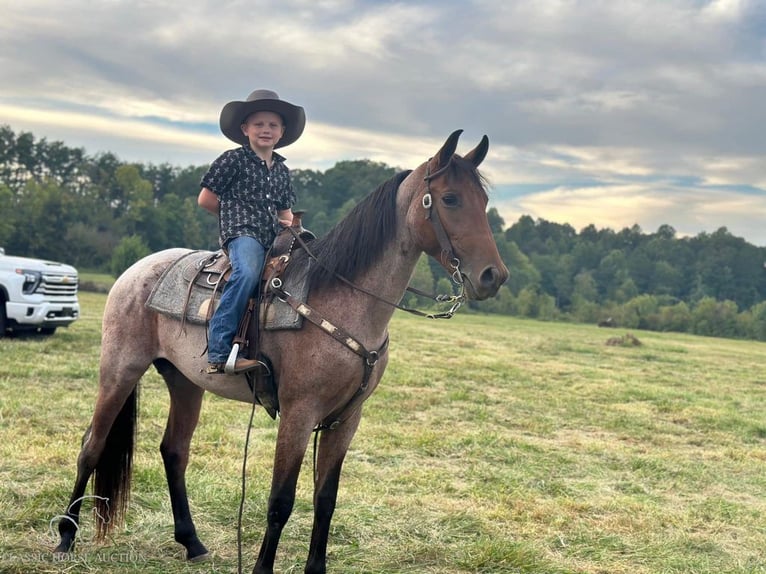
<point x="247" y="257"/>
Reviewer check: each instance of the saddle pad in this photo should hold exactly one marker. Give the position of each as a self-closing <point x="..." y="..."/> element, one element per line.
<point x="170" y="292"/>
<point x="169" y="296"/>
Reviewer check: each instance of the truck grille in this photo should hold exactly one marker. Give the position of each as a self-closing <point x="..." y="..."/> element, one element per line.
<point x="58" y="285"/>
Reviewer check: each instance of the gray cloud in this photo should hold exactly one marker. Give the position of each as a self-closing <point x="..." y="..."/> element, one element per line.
<point x="577" y="97"/>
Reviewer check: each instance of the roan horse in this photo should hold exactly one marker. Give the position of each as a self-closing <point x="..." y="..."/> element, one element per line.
<point x="439" y="208"/>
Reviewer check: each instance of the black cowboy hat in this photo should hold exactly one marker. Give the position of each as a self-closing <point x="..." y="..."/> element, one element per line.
<point x="233" y="115"/>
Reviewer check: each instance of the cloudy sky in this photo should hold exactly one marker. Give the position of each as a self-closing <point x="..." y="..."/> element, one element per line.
<point x="611" y="112"/>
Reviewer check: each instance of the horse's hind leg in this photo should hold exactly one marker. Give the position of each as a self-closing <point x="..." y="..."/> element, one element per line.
<point x="185" y="405"/>
<point x="333" y="446"/>
<point x="107" y="449"/>
<point x="69" y="522"/>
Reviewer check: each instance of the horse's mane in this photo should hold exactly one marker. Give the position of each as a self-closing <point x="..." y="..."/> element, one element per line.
<point x="356" y="242"/>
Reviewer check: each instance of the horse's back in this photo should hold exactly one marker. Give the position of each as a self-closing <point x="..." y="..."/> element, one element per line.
<point x="140" y="278"/>
<point x="125" y="311"/>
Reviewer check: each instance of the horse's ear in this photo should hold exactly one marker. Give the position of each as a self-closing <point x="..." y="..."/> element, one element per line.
<point x="448" y="149"/>
<point x="477" y="154"/>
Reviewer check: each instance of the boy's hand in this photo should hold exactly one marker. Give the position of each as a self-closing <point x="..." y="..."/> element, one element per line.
<point x="285" y="217"/>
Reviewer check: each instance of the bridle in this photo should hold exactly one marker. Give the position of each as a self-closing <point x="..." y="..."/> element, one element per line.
<point x="432" y="214"/>
<point x="448" y="253"/>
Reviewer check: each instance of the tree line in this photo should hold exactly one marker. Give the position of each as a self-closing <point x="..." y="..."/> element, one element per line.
<point x="101" y="214"/>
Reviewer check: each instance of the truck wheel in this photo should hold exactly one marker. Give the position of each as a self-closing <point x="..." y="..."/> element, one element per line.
<point x="3" y="318"/>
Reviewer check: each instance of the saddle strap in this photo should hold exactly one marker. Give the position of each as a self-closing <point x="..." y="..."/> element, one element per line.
<point x="243" y="329"/>
<point x="337" y="417"/>
<point x="337" y="333"/>
<point x="340" y="335"/>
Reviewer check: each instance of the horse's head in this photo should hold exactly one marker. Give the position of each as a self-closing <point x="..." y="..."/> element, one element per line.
<point x="449" y="219"/>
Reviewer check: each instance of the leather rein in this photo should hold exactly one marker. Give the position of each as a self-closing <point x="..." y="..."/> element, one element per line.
<point x="448" y="253"/>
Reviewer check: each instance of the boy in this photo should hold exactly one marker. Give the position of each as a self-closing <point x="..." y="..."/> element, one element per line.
<point x="250" y="191"/>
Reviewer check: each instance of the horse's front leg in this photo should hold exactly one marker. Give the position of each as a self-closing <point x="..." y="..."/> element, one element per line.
<point x="333" y="446"/>
<point x="292" y="438"/>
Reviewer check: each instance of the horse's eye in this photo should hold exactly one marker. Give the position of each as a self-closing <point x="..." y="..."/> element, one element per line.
<point x="450" y="200"/>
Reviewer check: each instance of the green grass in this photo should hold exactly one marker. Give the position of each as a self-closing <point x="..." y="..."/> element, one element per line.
<point x="493" y="445"/>
<point x="95" y="282"/>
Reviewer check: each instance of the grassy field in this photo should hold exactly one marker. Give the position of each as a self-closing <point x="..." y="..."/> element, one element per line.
<point x="493" y="445"/>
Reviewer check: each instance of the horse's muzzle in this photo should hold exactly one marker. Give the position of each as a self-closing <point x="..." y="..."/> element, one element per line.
<point x="487" y="283"/>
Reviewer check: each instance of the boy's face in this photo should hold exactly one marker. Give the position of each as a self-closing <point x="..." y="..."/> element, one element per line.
<point x="263" y="129"/>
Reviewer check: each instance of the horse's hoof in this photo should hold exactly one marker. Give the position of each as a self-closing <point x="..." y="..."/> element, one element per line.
<point x="200" y="557"/>
<point x="62" y="550"/>
<point x="59" y="555"/>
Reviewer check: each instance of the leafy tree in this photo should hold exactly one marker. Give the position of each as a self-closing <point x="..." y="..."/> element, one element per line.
<point x="199" y="228"/>
<point x="129" y="250"/>
<point x="666" y="279"/>
<point x="308" y="186"/>
<point x="496" y="222"/>
<point x="641" y="268"/>
<point x="714" y="318"/>
<point x="556" y="239"/>
<point x="639" y="312"/>
<point x="534" y="304"/>
<point x="502" y="303"/>
<point x="526" y="302"/>
<point x="677" y="318"/>
<point x="422" y="279"/>
<point x="586" y="256"/>
<point x="161" y="177"/>
<point x="556" y="277"/>
<point x="758" y="313"/>
<point x="58" y="203"/>
<point x="584" y="297"/>
<point x="319" y="224"/>
<point x="102" y="172"/>
<point x="524" y="234"/>
<point x="524" y="272"/>
<point x="611" y="274"/>
<point x="46" y="210"/>
<point x="24" y="159"/>
<point x="8" y="219"/>
<point x="585" y="287"/>
<point x="89" y="247"/>
<point x="626" y="291"/>
<point x="353" y="180"/>
<point x="137" y="200"/>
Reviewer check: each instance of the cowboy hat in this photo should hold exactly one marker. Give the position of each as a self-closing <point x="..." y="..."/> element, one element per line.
<point x="234" y="114"/>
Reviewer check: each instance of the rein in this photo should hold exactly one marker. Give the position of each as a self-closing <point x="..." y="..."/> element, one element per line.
<point x="432" y="214"/>
<point x="456" y="300"/>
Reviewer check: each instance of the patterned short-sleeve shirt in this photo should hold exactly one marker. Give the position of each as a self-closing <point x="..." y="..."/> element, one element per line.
<point x="250" y="194"/>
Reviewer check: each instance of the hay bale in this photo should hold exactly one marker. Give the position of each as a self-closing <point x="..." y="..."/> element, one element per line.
<point x="627" y="340"/>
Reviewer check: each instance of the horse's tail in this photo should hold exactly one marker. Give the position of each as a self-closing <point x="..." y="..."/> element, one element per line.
<point x="113" y="473"/>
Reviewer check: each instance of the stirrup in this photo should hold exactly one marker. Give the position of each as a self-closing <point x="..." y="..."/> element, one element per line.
<point x="231" y="361"/>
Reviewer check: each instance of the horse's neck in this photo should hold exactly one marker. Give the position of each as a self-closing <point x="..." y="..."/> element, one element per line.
<point x="389" y="277"/>
<point x="366" y="309"/>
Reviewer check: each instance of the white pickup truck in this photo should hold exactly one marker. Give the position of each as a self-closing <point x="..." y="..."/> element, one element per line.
<point x="36" y="295"/>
